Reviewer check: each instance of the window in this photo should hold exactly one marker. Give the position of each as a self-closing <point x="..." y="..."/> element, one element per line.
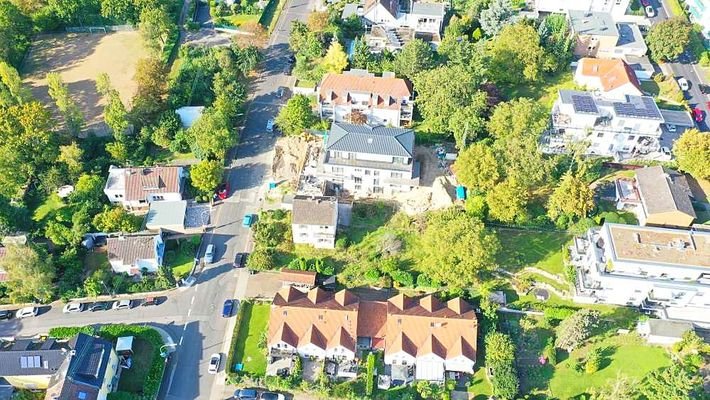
<point x="600" y="134"/>
<point x="158" y="198"/>
<point x="358" y="179"/>
<point x="399" y="160"/>
<point x="396" y="175"/>
<point x="338" y="170"/>
<point x="632" y="137"/>
<point x="358" y="187"/>
<point x="285" y="312"/>
<point x="367" y="172"/>
<point x="118" y="196"/>
<point x="337" y="154"/>
<point x="377" y="189"/>
<point x="375" y="181"/>
<point x="320" y="317"/>
<point x="358" y="170"/>
<point x="376" y="173"/>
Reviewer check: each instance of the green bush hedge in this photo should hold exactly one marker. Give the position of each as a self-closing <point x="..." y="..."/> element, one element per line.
<point x="65" y="332"/>
<point x="235" y="336"/>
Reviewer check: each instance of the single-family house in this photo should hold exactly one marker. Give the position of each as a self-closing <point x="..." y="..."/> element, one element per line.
<point x="393" y="23"/>
<point x="425" y="334"/>
<point x="314" y="220"/>
<point x="658" y="269"/>
<point x="83" y="367"/>
<point x="612" y="78"/>
<point x="658" y="196"/>
<point x="364" y="159"/>
<point x="662" y="331"/>
<point x="138" y="187"/>
<point x="616" y="8"/>
<point x="303" y="280"/>
<point x="357" y="96"/>
<point x="597" y="35"/>
<point x="135" y="254"/>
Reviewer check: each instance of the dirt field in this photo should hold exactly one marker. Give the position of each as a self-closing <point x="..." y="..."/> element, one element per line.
<point x="80" y="58"/>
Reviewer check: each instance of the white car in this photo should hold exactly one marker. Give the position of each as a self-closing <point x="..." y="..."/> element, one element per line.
<point x="215" y="360"/>
<point x="270" y="125"/>
<point x="666" y="151"/>
<point x="27" y="312"/>
<point x="684" y="85"/>
<point x="650" y="12"/>
<point x="121" y="305"/>
<point x="272" y="396"/>
<point x="73" y="308"/>
<point x="209" y="254"/>
<point x="671" y="128"/>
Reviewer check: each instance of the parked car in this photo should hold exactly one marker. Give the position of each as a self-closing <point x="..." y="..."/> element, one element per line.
<point x="650" y="12"/>
<point x="122" y="305"/>
<point x="270" y="125"/>
<point x="151" y="301"/>
<point x="215" y="360"/>
<point x="222" y="191"/>
<point x="5" y="314"/>
<point x="189" y="281"/>
<point x="239" y="260"/>
<point x="272" y="396"/>
<point x="248" y="220"/>
<point x="684" y="85"/>
<point x="666" y="151"/>
<point x="228" y="308"/>
<point x="26" y="312"/>
<point x="245" y="394"/>
<point x="100" y="306"/>
<point x="671" y="128"/>
<point x="280" y="92"/>
<point x="73" y="307"/>
<point x="209" y="254"/>
<point x="697" y="114"/>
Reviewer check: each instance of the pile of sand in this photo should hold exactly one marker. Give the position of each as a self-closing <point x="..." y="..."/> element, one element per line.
<point x="289" y="155"/>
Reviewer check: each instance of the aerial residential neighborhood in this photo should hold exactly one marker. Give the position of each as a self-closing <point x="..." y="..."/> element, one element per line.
<point x="378" y="199"/>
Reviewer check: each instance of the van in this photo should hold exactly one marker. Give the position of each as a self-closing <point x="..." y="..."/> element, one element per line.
<point x="209" y="254"/>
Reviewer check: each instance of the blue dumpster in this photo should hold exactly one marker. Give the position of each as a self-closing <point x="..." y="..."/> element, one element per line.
<point x="460" y="192"/>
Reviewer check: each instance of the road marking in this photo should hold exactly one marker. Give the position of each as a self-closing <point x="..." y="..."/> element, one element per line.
<point x="189" y="312"/>
<point x="182" y="337"/>
<point x="192" y="301"/>
<point x="184" y="328"/>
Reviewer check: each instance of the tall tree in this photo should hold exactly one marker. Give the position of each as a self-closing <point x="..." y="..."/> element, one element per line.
<point x="414" y="57"/>
<point x="496" y="16"/>
<point x="468" y="122"/>
<point x="155" y="25"/>
<point x="572" y="197"/>
<point x="477" y="167"/>
<point x="668" y="39"/>
<point x="30" y="274"/>
<point x="318" y="21"/>
<point x="500" y="349"/>
<point x="71" y="155"/>
<point x="675" y="382"/>
<point x="59" y="92"/>
<point x="335" y="60"/>
<point x="115" y="114"/>
<point x="576" y="329"/>
<point x="119" y="10"/>
<point x="11" y="89"/>
<point x="362" y="56"/>
<point x="516" y="55"/>
<point x="296" y="116"/>
<point x="206" y="175"/>
<point x="211" y="135"/>
<point x="456" y="248"/>
<point x="507" y="201"/>
<point x="74" y="12"/>
<point x="519" y="117"/>
<point x="692" y="151"/>
<point x="15" y="33"/>
<point x="149" y="100"/>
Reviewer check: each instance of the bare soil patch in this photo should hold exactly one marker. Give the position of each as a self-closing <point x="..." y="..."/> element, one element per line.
<point x="79" y="58"/>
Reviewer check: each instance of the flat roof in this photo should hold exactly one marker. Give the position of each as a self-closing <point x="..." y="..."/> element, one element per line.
<point x="592" y="23"/>
<point x="659" y="245"/>
<point x="166" y="213"/>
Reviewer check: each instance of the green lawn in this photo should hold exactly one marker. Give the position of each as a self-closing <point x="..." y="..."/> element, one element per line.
<point x="545" y="91"/>
<point x="531" y="248"/>
<point x="650" y="87"/>
<point x="368" y="217"/>
<point x="539" y="278"/>
<point x="626" y="355"/>
<point x="95" y="260"/>
<point x="675" y="8"/>
<point x="52" y="204"/>
<point x="133" y="379"/>
<point x="480" y="387"/>
<point x="240" y="19"/>
<point x="180" y="262"/>
<point x="253" y="324"/>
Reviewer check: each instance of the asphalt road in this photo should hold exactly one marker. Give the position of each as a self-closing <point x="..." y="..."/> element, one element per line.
<point x="684" y="67"/>
<point x="192" y="316"/>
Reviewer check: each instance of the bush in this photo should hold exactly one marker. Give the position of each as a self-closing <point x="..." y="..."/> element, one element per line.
<point x="65" y="332"/>
<point x="370" y="377"/>
<point x="235" y="335"/>
<point x="342" y="243"/>
<point x="261" y="259"/>
<point x="594" y="360"/>
<point x="550" y="352"/>
<point x="403" y="278"/>
<point x="557" y="313"/>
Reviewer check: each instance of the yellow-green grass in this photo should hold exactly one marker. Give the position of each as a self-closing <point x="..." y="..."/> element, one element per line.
<point x="50" y="205"/>
<point x="531" y="248"/>
<point x="240" y="19"/>
<point x="546" y="90"/>
<point x="253" y="324"/>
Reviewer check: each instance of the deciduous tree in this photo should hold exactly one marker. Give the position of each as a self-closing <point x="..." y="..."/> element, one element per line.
<point x="500" y="349"/>
<point x="576" y="329"/>
<point x="15" y="33"/>
<point x="496" y="16"/>
<point x="335" y="60"/>
<point x="572" y="197"/>
<point x="12" y="91"/>
<point x="692" y="151"/>
<point x="456" y="248"/>
<point x="30" y="274"/>
<point x="211" y="136"/>
<point x="468" y="122"/>
<point x="516" y="55"/>
<point x="116" y="219"/>
<point x="206" y="175"/>
<point x="675" y="382"/>
<point x="507" y="201"/>
<point x="477" y="168"/>
<point x="296" y="116"/>
<point x="149" y="100"/>
<point x="71" y="155"/>
<point x="155" y="26"/>
<point x="668" y="39"/>
<point x="59" y="92"/>
<point x="414" y="57"/>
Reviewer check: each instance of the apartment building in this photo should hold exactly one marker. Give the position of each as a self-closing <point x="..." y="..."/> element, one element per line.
<point x="658" y="196"/>
<point x="699" y="13"/>
<point x="357" y="96"/>
<point x="597" y="35"/>
<point x="137" y="188"/>
<point x="364" y="159"/>
<point x="662" y="269"/>
<point x="393" y="23"/>
<point x="612" y="78"/>
<point x="422" y="334"/>
<point x="314" y="221"/>
<point x="616" y="8"/>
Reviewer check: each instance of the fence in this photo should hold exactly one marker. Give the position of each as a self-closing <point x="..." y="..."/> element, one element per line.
<point x="101" y="29"/>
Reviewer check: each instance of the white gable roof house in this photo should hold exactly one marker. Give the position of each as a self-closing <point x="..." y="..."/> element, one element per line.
<point x="134" y="254"/>
<point x="138" y="187"/>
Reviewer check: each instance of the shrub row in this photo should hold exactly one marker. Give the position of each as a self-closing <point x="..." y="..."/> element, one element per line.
<point x="235" y="337"/>
<point x="65" y="332"/>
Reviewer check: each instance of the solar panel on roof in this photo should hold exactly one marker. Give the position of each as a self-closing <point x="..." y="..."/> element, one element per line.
<point x="23" y="362"/>
<point x="584" y="104"/>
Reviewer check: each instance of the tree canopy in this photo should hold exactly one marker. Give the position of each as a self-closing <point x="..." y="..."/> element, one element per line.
<point x="516" y="55"/>
<point x="572" y="197"/>
<point x="30" y="274"/>
<point x="335" y="59"/>
<point x="414" y="57"/>
<point x="496" y="16"/>
<point x="477" y="167"/>
<point x="206" y="175"/>
<point x="668" y="39"/>
<point x="296" y="116"/>
<point x="692" y="152"/>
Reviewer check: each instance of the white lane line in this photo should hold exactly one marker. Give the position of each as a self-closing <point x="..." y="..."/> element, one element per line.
<point x="189" y="312"/>
<point x="181" y="338"/>
<point x="192" y="301"/>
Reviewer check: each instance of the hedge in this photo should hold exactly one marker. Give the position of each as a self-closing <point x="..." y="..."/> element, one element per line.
<point x="270" y="16"/>
<point x="65" y="332"/>
<point x="235" y="337"/>
<point x="370" y="378"/>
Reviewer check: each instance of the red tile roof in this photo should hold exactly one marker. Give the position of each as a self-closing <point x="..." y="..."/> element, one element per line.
<point x="383" y="92"/>
<point x="611" y="73"/>
<point x="151" y="180"/>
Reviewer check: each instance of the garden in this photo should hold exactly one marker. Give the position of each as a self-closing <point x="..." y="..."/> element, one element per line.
<point x="180" y="255"/>
<point x="248" y="349"/>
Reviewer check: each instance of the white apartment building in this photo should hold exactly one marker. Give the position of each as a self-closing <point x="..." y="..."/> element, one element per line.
<point x="357" y="94"/>
<point x="366" y="160"/>
<point x="611" y="127"/>
<point x="616" y="8"/>
<point x="667" y="270"/>
<point x="314" y="221"/>
<point x="136" y="188"/>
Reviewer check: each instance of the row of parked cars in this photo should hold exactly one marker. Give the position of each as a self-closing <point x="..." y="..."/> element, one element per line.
<point x="253" y="394"/>
<point x="77" y="307"/>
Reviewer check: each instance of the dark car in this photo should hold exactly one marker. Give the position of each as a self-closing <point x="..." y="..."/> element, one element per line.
<point x="222" y="191"/>
<point x="100" y="306"/>
<point x="704" y="89"/>
<point x="5" y="314"/>
<point x="228" y="308"/>
<point x="239" y="260"/>
<point x="245" y="394"/>
<point x="152" y="301"/>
